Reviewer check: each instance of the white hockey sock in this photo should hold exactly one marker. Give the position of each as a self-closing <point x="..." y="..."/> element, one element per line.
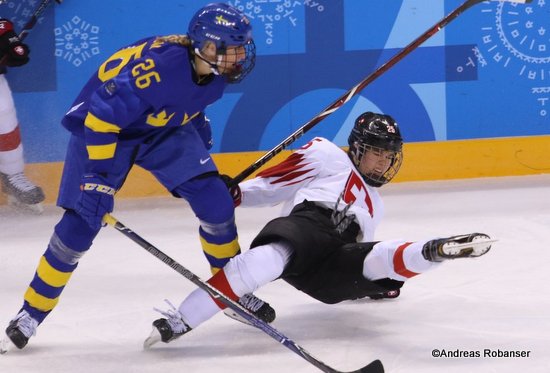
<point x="11" y="162"/>
<point x="245" y="273"/>
<point x="11" y="150"/>
<point x="256" y="267"/>
<point x="198" y="307"/>
<point x="398" y="260"/>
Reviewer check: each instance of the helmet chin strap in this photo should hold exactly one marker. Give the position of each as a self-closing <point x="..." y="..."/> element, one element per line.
<point x="213" y="66"/>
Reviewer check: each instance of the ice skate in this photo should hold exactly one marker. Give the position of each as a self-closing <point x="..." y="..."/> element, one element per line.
<point x="262" y="310"/>
<point x="462" y="246"/>
<point x="18" y="332"/>
<point x="22" y="193"/>
<point x="167" y="329"/>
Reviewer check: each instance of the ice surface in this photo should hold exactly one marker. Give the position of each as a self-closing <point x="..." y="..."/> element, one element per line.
<point x="499" y="301"/>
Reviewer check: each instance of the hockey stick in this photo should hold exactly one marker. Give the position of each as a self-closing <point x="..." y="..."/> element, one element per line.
<point x="374" y="367"/>
<point x="360" y="86"/>
<point x="34" y="18"/>
<point x="32" y="21"/>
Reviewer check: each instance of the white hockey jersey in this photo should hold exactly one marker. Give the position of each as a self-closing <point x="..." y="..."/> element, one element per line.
<point x="320" y="172"/>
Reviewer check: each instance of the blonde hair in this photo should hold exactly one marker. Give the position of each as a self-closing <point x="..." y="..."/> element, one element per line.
<point x="174" y="39"/>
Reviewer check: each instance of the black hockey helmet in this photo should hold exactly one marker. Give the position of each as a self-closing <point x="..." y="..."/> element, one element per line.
<point x="376" y="132"/>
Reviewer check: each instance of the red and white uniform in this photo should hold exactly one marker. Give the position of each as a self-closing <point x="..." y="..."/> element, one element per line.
<point x="11" y="149"/>
<point x="319" y="172"/>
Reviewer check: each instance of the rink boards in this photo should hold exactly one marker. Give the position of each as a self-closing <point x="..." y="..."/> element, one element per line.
<point x="442" y="160"/>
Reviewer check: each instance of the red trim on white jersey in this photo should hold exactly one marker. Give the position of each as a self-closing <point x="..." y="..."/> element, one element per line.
<point x="356" y="189"/>
<point x="319" y="172"/>
<point x="287" y="170"/>
<point x="399" y="266"/>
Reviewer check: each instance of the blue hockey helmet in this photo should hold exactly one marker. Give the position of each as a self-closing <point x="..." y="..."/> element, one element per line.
<point x="225" y="26"/>
<point x="376" y="132"/>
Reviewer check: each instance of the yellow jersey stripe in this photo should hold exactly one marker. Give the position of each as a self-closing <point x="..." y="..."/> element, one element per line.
<point x="98" y="125"/>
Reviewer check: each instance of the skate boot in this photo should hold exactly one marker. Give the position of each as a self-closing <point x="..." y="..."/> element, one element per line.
<point x="22" y="193"/>
<point x="19" y="330"/>
<point x="462" y="246"/>
<point x="262" y="310"/>
<point x="167" y="329"/>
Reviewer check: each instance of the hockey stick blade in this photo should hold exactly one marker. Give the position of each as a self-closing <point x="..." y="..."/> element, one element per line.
<point x="374" y="367"/>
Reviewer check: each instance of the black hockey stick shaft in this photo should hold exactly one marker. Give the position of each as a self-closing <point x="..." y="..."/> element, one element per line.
<point x="374" y="367"/>
<point x="358" y="88"/>
<point x="34" y="18"/>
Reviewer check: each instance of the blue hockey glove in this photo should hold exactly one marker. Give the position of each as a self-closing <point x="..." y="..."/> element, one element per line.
<point x="96" y="199"/>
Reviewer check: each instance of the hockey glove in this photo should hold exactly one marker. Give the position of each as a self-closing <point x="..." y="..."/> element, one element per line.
<point x="234" y="190"/>
<point x="96" y="199"/>
<point x="390" y="294"/>
<point x="12" y="51"/>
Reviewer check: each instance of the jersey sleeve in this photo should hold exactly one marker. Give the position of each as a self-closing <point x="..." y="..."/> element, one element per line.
<point x="113" y="107"/>
<point x="280" y="183"/>
<point x="145" y="84"/>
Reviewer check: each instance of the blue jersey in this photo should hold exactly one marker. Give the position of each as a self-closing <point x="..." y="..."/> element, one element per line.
<point x="140" y="91"/>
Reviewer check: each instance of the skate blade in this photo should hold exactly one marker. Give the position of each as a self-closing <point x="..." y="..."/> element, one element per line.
<point x="35" y="209"/>
<point x="5" y="345"/>
<point x="153" y="339"/>
<point x="235" y="316"/>
<point x="478" y="247"/>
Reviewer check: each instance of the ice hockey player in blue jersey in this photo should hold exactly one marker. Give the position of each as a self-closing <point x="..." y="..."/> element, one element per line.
<point x="145" y="106"/>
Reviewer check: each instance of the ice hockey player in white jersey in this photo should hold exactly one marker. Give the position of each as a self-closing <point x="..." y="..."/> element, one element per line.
<point x="21" y="192"/>
<point x="323" y="244"/>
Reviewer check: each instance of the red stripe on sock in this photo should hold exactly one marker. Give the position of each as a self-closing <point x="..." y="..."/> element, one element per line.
<point x="219" y="281"/>
<point x="11" y="140"/>
<point x="399" y="263"/>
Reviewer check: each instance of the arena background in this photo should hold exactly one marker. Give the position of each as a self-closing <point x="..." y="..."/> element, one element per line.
<point x="472" y="101"/>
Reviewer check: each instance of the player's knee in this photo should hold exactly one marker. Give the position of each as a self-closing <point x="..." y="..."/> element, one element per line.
<point x="209" y="198"/>
<point x="72" y="237"/>
<point x="378" y="263"/>
<point x="63" y="252"/>
<point x="214" y="208"/>
<point x="257" y="267"/>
